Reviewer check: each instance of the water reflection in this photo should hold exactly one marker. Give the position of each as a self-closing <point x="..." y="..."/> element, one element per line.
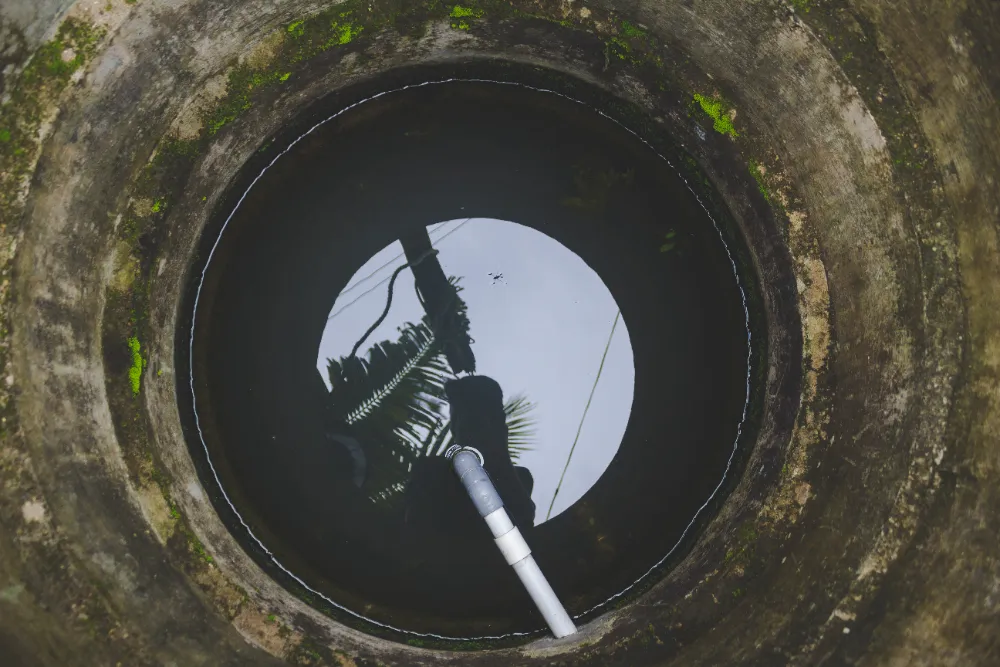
<point x="535" y="318"/>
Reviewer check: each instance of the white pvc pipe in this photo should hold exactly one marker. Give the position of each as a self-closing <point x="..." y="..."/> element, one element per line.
<point x="468" y="466"/>
<point x="545" y="598"/>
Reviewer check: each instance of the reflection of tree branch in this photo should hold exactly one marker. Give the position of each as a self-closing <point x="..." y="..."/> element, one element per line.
<point x="393" y="401"/>
<point x="409" y="365"/>
<point x="520" y="425"/>
<point x="442" y="440"/>
<point x="371" y="403"/>
<point x="388" y="299"/>
<point x="520" y="430"/>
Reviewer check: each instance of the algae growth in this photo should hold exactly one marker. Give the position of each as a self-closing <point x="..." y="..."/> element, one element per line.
<point x="460" y="14"/>
<point x="22" y="114"/>
<point x="138" y="364"/>
<point x="718" y="111"/>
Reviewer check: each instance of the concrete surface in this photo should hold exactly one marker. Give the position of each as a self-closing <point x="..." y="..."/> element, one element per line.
<point x="857" y="147"/>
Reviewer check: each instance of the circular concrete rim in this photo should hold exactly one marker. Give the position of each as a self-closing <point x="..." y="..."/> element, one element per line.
<point x="876" y="245"/>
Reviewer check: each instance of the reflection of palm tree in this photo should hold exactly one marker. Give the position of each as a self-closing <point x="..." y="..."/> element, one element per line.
<point x="394" y="402"/>
<point x="390" y="401"/>
<point x="520" y="430"/>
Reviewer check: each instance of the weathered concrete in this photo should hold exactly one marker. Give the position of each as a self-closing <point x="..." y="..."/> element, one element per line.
<point x="863" y="533"/>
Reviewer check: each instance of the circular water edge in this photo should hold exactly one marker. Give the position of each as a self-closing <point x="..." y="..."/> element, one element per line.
<point x="194" y="404"/>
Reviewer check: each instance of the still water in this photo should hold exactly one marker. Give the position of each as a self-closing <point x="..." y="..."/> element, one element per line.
<point x="476" y="263"/>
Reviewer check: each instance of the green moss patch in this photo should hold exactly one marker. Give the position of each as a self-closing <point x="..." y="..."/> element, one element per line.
<point x="34" y="91"/>
<point x="630" y="30"/>
<point x="138" y="364"/>
<point x="243" y="81"/>
<point x="304" y="39"/>
<point x="461" y="16"/>
<point x="458" y="12"/>
<point x="757" y="171"/>
<point x="718" y="110"/>
<point x="744" y="546"/>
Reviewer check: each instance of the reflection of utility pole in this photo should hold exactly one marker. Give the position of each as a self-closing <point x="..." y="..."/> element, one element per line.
<point x="440" y="299"/>
<point x="476" y="403"/>
<point x="600" y="369"/>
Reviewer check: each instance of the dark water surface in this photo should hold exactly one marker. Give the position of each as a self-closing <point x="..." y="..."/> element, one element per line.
<point x="557" y="218"/>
